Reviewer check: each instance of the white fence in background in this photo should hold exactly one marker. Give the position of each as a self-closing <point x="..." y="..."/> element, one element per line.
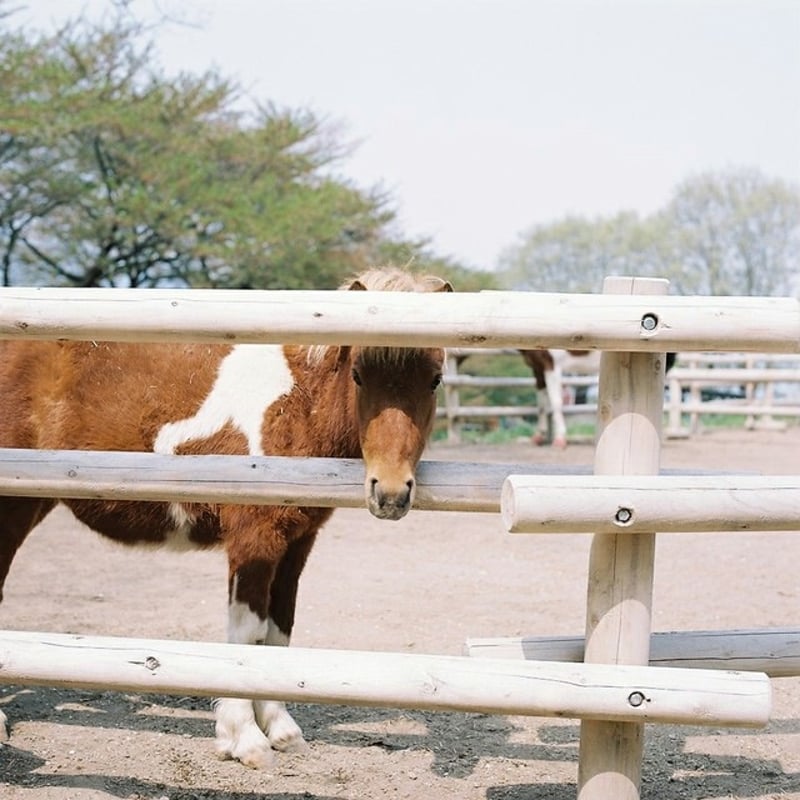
<point x="762" y="387"/>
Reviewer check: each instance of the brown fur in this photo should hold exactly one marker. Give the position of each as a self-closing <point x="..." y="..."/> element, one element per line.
<point x="104" y="396"/>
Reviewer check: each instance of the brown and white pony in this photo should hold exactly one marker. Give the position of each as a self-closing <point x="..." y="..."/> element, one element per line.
<point x="548" y="368"/>
<point x="346" y="402"/>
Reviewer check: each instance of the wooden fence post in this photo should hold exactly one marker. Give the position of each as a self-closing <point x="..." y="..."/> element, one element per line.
<point x="452" y="400"/>
<point x="620" y="584"/>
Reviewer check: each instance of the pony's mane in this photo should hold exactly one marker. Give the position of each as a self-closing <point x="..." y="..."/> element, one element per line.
<point x="394" y="279"/>
<point x="382" y="279"/>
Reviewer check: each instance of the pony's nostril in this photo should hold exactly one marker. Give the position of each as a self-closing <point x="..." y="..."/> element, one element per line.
<point x="390" y="501"/>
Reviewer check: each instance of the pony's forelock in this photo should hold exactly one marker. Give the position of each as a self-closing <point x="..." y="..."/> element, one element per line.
<point x="391" y="356"/>
<point x="393" y="279"/>
<point x="315" y="353"/>
<point x="381" y="279"/>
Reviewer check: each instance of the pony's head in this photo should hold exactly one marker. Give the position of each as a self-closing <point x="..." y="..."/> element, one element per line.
<point x="395" y="402"/>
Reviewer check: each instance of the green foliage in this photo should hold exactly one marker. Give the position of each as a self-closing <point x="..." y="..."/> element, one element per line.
<point x="503" y="434"/>
<point x="734" y="232"/>
<point x="503" y="365"/>
<point x="575" y="254"/>
<point x="112" y="173"/>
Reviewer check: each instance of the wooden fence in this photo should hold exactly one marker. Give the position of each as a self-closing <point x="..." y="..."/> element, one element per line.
<point x="763" y="388"/>
<point x="614" y="690"/>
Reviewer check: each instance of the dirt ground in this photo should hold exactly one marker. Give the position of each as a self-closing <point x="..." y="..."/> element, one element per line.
<point x="423" y="585"/>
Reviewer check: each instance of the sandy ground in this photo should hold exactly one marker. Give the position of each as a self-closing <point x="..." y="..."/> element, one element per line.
<point x="422" y="585"/>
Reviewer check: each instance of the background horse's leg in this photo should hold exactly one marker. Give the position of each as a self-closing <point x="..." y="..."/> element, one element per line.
<point x="555" y="396"/>
<point x="542" y="433"/>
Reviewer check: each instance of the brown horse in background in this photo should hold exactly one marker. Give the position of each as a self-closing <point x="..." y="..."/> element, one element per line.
<point x="347" y="402"/>
<point x="549" y="367"/>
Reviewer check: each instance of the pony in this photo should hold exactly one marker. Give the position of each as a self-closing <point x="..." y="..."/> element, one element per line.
<point x="548" y="368"/>
<point x="375" y="403"/>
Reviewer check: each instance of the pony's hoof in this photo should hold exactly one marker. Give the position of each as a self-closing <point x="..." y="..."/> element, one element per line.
<point x="538" y="439"/>
<point x="560" y="442"/>
<point x="291" y="745"/>
<point x="285" y="735"/>
<point x="283" y="732"/>
<point x="3" y="728"/>
<point x="250" y="750"/>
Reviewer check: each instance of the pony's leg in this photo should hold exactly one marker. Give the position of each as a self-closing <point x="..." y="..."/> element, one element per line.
<point x="238" y="733"/>
<point x="556" y="398"/>
<point x="283" y="732"/>
<point x="18" y="516"/>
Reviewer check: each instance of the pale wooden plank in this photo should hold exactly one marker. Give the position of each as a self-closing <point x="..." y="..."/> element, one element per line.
<point x="775" y="652"/>
<point x="484" y="319"/>
<point x="454" y="683"/>
<point x="640" y="503"/>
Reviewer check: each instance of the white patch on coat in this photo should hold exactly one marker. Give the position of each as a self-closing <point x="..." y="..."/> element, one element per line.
<point x="244" y="626"/>
<point x="249" y="380"/>
<point x="179" y="539"/>
<point x="240" y="722"/>
<point x="570" y="364"/>
<point x="275" y="636"/>
<point x="552" y="401"/>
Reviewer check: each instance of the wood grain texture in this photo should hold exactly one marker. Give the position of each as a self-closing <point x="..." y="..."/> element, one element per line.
<point x="392" y="680"/>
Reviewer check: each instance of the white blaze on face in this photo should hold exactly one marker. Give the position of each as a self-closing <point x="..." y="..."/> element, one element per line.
<point x="250" y="379"/>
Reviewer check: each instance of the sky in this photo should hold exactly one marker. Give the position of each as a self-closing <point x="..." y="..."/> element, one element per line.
<point x="483" y="118"/>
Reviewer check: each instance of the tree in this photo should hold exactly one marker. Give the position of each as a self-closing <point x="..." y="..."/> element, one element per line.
<point x="113" y="174"/>
<point x="32" y="180"/>
<point x="728" y="233"/>
<point x="78" y="112"/>
<point x="575" y="254"/>
<point x="735" y="232"/>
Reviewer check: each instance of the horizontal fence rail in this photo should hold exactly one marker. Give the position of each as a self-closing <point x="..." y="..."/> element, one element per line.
<point x="776" y="652"/>
<point x="257" y="480"/>
<point x="260" y="480"/>
<point x="641" y="504"/>
<point x="396" y="680"/>
<point x="761" y="388"/>
<point x="405" y="319"/>
<point x="710" y="376"/>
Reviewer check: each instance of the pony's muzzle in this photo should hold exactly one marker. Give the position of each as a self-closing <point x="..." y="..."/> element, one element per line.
<point x="389" y="502"/>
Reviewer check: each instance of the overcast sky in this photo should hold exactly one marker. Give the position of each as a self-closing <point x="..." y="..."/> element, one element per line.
<point x="485" y="117"/>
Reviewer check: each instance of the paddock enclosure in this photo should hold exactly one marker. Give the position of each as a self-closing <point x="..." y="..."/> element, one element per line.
<point x="762" y="388"/>
<point x="615" y="692"/>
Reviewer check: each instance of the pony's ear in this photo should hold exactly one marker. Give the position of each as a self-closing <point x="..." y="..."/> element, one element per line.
<point x="357" y="286"/>
<point x="440" y="285"/>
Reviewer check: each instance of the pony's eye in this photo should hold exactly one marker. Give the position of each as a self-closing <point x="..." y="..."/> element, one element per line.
<point x="436" y="383"/>
<point x="356" y="378"/>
